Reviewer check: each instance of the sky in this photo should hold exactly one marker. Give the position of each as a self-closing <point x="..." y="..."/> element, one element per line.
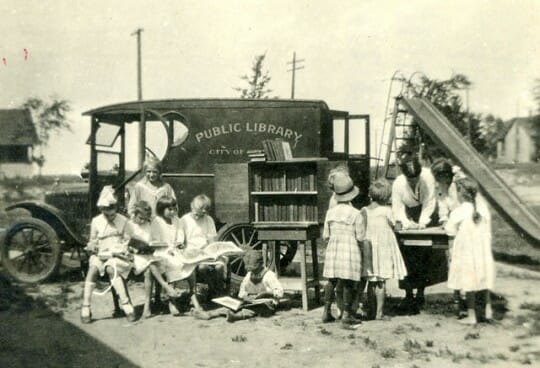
<point x="83" y="51"/>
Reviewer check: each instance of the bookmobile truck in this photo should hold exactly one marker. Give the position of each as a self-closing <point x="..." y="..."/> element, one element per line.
<point x="203" y="145"/>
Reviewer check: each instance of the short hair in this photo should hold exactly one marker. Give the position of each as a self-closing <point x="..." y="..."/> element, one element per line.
<point x="380" y="191"/>
<point x="409" y="164"/>
<point x="201" y="201"/>
<point x="163" y="203"/>
<point x="151" y="162"/>
<point x="143" y="209"/>
<point x="442" y="171"/>
<point x="331" y="175"/>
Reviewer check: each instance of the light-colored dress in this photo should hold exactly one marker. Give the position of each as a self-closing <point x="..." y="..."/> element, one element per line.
<point x="472" y="267"/>
<point x="198" y="232"/>
<point x="344" y="228"/>
<point x="141" y="233"/>
<point x="386" y="261"/>
<point x="145" y="191"/>
<point x="403" y="196"/>
<point x="168" y="255"/>
<point x="268" y="284"/>
<point x="110" y="237"/>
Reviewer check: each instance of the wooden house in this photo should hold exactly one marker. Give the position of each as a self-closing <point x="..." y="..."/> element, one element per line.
<point x="516" y="143"/>
<point x="17" y="139"/>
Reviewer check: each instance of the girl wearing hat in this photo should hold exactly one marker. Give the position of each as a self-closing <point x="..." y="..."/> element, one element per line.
<point x="150" y="188"/>
<point x="343" y="230"/>
<point x="108" y="245"/>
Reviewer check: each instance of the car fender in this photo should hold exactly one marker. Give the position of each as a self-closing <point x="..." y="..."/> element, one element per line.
<point x="52" y="216"/>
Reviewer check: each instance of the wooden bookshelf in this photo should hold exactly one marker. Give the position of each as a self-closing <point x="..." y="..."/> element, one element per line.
<point x="273" y="192"/>
<point x="285" y="191"/>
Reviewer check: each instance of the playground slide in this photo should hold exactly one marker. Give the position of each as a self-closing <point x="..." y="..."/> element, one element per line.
<point x="506" y="202"/>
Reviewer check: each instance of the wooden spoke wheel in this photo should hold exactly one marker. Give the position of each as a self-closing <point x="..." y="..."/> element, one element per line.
<point x="31" y="251"/>
<point x="245" y="237"/>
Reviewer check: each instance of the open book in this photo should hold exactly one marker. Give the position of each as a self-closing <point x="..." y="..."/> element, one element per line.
<point x="209" y="253"/>
<point x="237" y="304"/>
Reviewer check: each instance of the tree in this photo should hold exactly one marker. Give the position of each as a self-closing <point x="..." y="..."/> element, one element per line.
<point x="257" y="82"/>
<point x="446" y="96"/>
<point x="489" y="129"/>
<point x="49" y="116"/>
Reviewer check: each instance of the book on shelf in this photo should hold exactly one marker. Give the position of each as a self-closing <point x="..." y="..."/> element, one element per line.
<point x="237" y="304"/>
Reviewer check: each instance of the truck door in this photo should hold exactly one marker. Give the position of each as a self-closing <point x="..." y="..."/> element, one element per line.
<point x="351" y="143"/>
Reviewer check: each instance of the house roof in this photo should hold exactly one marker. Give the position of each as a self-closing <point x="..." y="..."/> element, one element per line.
<point x="531" y="123"/>
<point x="17" y="128"/>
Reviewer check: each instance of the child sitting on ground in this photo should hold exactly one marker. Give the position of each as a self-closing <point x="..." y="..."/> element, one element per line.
<point x="259" y="282"/>
<point x="167" y="233"/>
<point x="386" y="261"/>
<point x="108" y="245"/>
<point x="472" y="268"/>
<point x="200" y="230"/>
<point x="143" y="259"/>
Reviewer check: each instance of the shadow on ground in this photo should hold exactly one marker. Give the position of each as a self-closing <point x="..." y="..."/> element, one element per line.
<point x="33" y="335"/>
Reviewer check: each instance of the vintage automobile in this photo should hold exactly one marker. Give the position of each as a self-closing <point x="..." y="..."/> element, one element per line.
<point x="191" y="136"/>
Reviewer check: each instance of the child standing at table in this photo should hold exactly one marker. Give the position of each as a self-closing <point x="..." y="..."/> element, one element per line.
<point x="472" y="268"/>
<point x="386" y="261"/>
<point x="343" y="229"/>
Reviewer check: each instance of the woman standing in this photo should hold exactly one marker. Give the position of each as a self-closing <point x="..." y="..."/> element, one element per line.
<point x="414" y="206"/>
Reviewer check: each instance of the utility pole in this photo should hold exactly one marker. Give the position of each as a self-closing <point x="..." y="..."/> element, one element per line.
<point x="293" y="70"/>
<point x="142" y="122"/>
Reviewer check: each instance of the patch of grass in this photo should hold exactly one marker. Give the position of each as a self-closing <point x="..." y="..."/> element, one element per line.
<point x="399" y="330"/>
<point x="411" y="345"/>
<point x="472" y="336"/>
<point x="514" y="348"/>
<point x="429" y="343"/>
<point x="388" y="353"/>
<point x="369" y="343"/>
<point x="239" y="338"/>
<point x="535" y="307"/>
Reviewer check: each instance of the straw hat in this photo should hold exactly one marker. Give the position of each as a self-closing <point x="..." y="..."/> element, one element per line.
<point x="107" y="197"/>
<point x="344" y="188"/>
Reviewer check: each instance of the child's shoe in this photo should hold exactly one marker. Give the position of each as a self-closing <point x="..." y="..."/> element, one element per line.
<point x="86" y="314"/>
<point x="327" y="316"/>
<point x="129" y="311"/>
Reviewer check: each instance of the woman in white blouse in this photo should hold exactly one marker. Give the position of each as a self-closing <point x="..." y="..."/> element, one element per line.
<point x="414" y="205"/>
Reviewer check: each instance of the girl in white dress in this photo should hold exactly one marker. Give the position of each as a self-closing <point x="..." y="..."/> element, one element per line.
<point x="108" y="246"/>
<point x="472" y="268"/>
<point x="144" y="259"/>
<point x="167" y="233"/>
<point x="386" y="261"/>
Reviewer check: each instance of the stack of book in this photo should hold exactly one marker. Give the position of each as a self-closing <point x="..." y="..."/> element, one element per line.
<point x="256" y="155"/>
<point x="277" y="150"/>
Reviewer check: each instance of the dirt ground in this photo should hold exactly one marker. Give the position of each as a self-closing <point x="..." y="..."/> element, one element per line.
<point x="41" y="327"/>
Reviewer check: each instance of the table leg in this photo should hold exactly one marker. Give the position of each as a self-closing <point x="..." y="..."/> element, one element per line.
<point x="303" y="275"/>
<point x="315" y="265"/>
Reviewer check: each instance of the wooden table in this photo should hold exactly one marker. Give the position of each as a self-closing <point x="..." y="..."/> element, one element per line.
<point x="425" y="253"/>
<point x="434" y="237"/>
<point x="303" y="232"/>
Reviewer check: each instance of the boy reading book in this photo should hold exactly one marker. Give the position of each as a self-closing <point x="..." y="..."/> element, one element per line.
<point x="260" y="292"/>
